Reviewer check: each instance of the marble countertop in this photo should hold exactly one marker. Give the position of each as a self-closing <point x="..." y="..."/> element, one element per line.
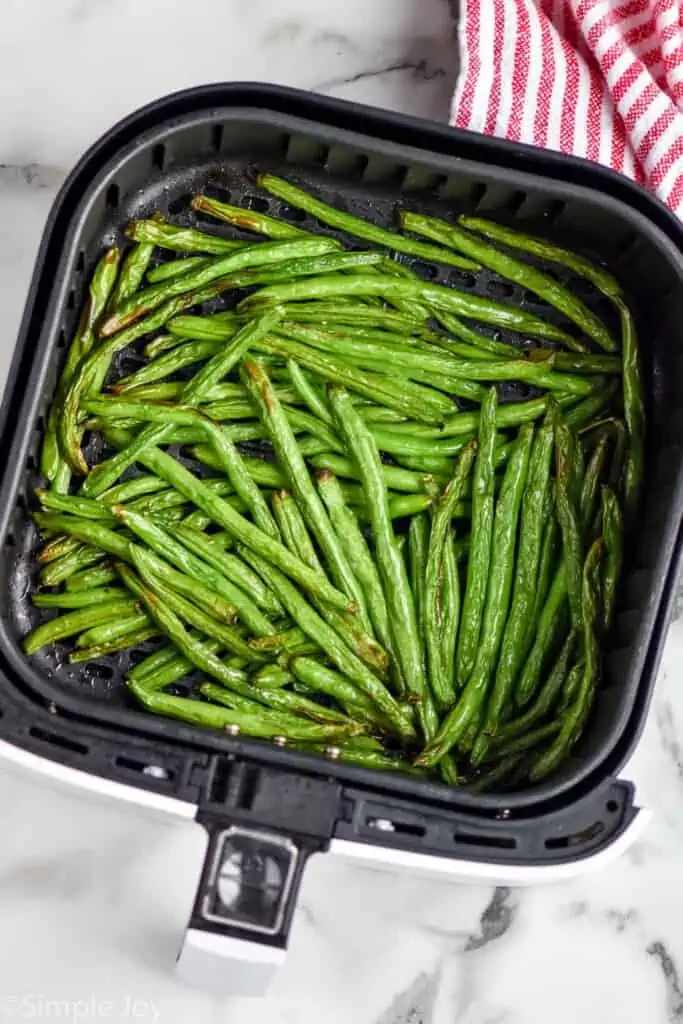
<point x="94" y="898"/>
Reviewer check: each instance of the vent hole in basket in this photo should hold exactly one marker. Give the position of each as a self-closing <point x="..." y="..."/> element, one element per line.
<point x="405" y="828"/>
<point x="500" y="289"/>
<point x="292" y="213"/>
<point x="80" y="262"/>
<point x="61" y="340"/>
<point x="515" y="203"/>
<point x="10" y="541"/>
<point x="477" y="193"/>
<point x="217" y="137"/>
<point x="112" y="197"/>
<point x="495" y="842"/>
<point x="57" y="740"/>
<point x="31" y="463"/>
<point x="257" y="203"/>
<point x="575" y="838"/>
<point x="154" y="771"/>
<point x="612" y="806"/>
<point x="101" y="671"/>
<point x="461" y="279"/>
<point x="360" y="166"/>
<point x="159" y="156"/>
<point x="556" y="208"/>
<point x="71" y="300"/>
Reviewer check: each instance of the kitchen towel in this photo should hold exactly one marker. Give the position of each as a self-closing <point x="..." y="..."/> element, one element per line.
<point x="602" y="79"/>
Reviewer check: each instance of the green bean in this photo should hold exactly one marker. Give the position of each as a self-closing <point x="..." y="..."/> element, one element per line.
<point x="454" y="371"/>
<point x="377" y="760"/>
<point x="549" y="624"/>
<point x="94" y="365"/>
<point x="133" y="270"/>
<point x="395" y="478"/>
<point x="584" y="364"/>
<point x="475" y="339"/>
<point x="130" y="489"/>
<point x="171" y="666"/>
<point x="52" y="462"/>
<point x="191" y="588"/>
<point x="261" y="725"/>
<point x="289" y="269"/>
<point x="291" y="460"/>
<point x="547" y="562"/>
<point x="57" y="548"/>
<point x="356" y="226"/>
<point x="291" y="640"/>
<point x="283" y="702"/>
<point x="598" y="276"/>
<point x="612" y="530"/>
<point x="176" y="599"/>
<point x="575" y="717"/>
<point x="151" y="298"/>
<point x="165" y="365"/>
<point x="526" y="741"/>
<point x="113" y="646"/>
<point x="229" y="566"/>
<point x="418" y="542"/>
<point x="591" y="406"/>
<point x="634" y="412"/>
<point x="248" y="220"/>
<point x="85" y="508"/>
<point x="167" y="236"/>
<point x="409" y="505"/>
<point x="75" y="622"/>
<point x="416" y="401"/>
<point x="320" y="679"/>
<point x="451" y="609"/>
<point x="301" y="422"/>
<point x="216" y="328"/>
<point x="591" y="485"/>
<point x="193" y="564"/>
<point x="518" y="634"/>
<point x="480" y="544"/>
<point x="113" y="630"/>
<point x="440" y="297"/>
<point x="244" y="531"/>
<point x="77" y="598"/>
<point x="546" y="699"/>
<point x="169" y="610"/>
<point x="87" y="579"/>
<point x="354" y="314"/>
<point x="271" y="677"/>
<point x="515" y="270"/>
<point x="355" y="547"/>
<point x="402" y="619"/>
<point x="356" y="632"/>
<point x="470" y="704"/>
<point x="308" y="393"/>
<point x="441" y="674"/>
<point x="62" y="568"/>
<point x="318" y="630"/>
<point x="176" y="268"/>
<point x="217" y="368"/>
<point x="568" y="518"/>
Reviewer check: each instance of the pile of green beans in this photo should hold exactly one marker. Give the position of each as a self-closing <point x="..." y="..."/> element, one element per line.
<point x="361" y="550"/>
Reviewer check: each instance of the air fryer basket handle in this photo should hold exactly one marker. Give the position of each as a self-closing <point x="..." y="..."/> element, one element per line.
<point x="237" y="935"/>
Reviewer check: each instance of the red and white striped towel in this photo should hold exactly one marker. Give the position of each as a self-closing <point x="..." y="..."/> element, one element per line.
<point x="601" y="79"/>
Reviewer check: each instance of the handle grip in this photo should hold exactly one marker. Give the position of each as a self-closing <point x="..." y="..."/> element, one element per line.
<point x="237" y="934"/>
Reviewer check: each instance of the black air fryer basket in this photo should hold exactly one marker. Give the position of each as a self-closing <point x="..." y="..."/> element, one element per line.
<point x="266" y="809"/>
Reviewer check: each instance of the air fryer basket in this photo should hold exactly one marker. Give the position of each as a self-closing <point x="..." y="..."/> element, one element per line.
<point x="211" y="140"/>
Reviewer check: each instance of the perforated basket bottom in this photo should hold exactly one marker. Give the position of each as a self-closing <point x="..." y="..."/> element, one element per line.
<point x="170" y="192"/>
